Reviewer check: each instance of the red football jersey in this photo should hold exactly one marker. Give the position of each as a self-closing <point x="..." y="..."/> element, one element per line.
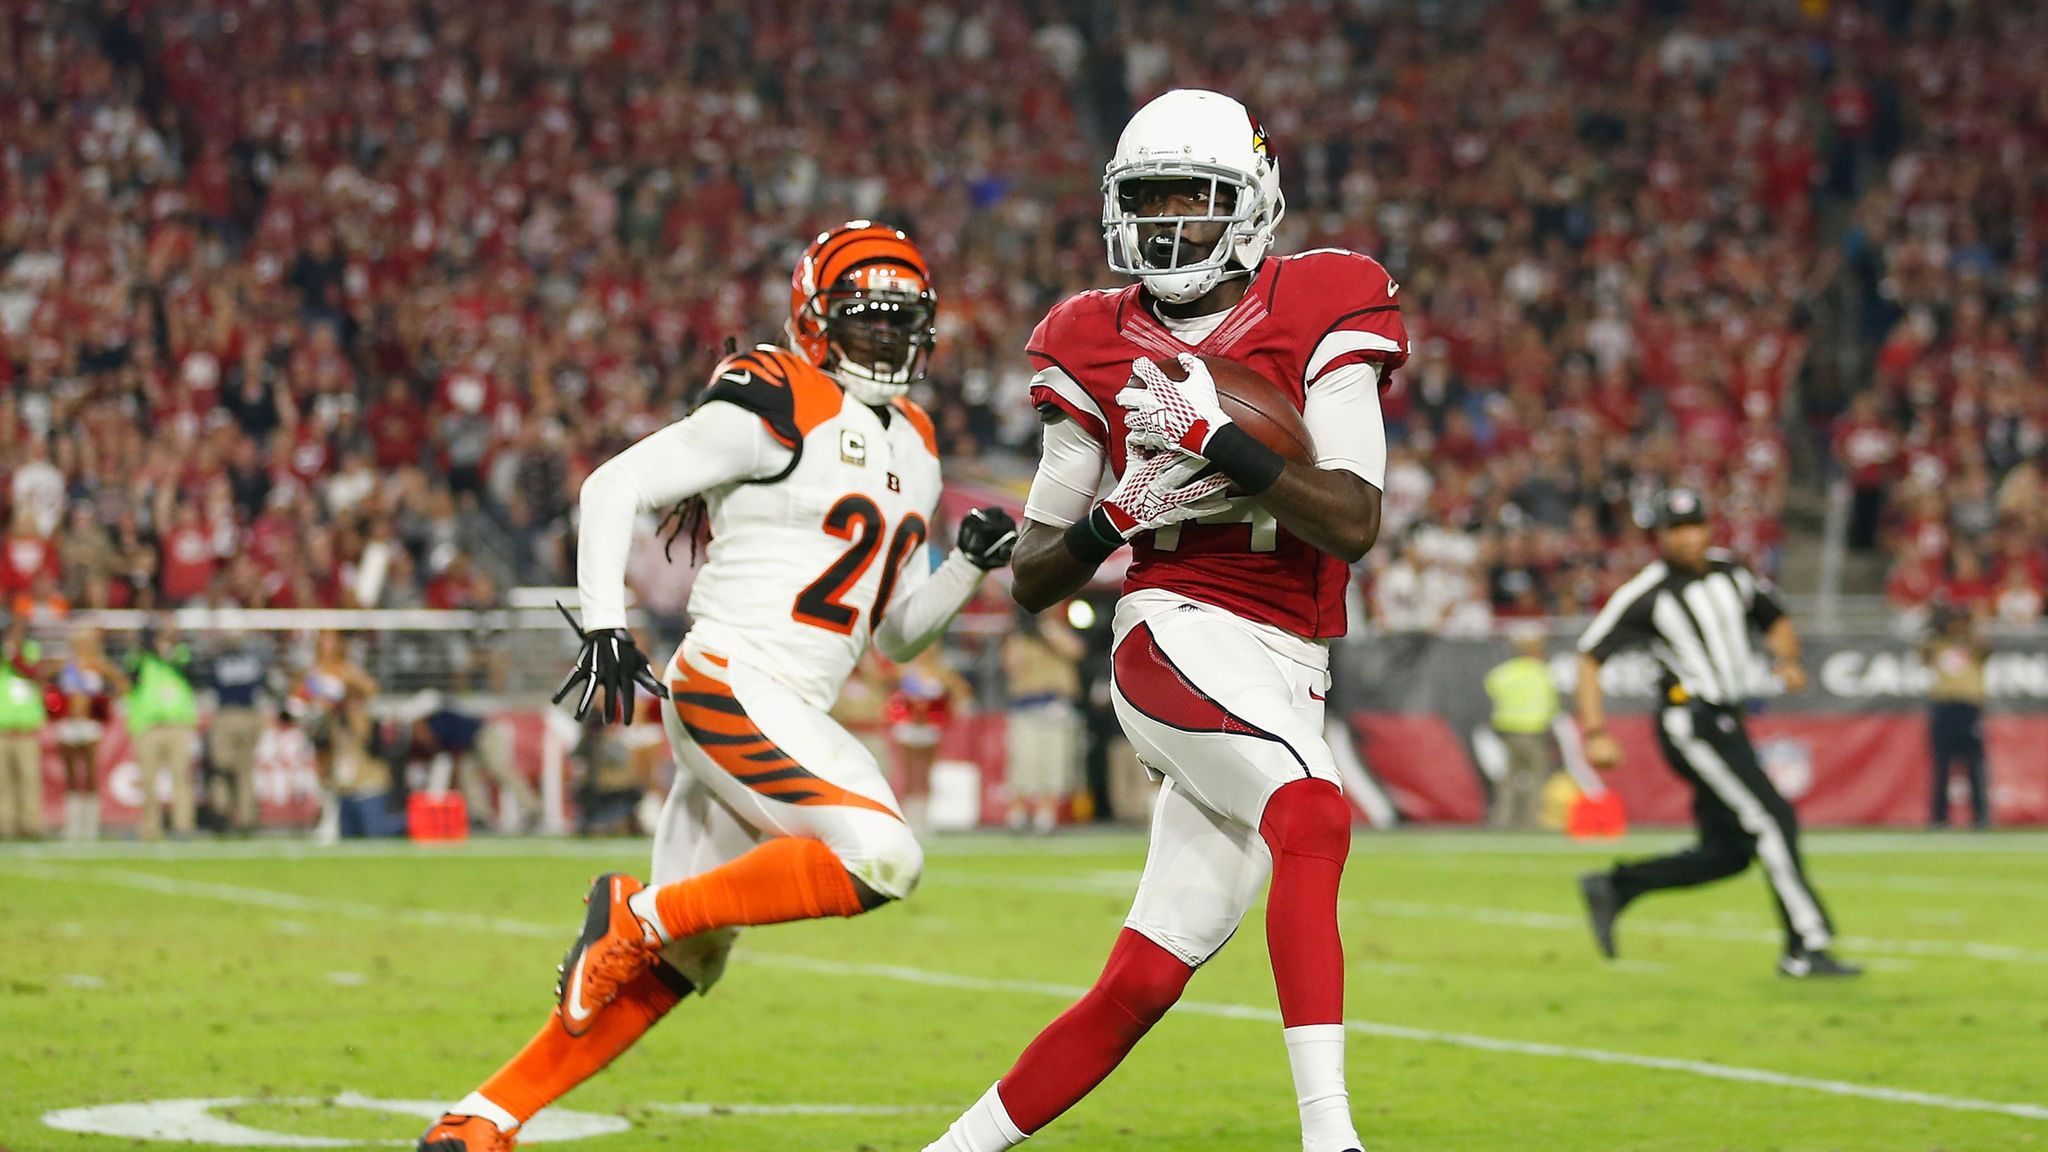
<point x="1302" y="316"/>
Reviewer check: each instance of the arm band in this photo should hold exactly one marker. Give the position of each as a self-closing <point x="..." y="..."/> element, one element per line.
<point x="1092" y="539"/>
<point x="1251" y="466"/>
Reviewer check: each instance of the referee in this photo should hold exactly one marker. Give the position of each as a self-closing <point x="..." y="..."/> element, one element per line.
<point x="1696" y="610"/>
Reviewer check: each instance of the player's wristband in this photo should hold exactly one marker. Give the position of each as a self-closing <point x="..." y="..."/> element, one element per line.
<point x="1251" y="466"/>
<point x="1093" y="538"/>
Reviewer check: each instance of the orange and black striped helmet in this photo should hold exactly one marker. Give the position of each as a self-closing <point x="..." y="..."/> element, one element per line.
<point x="861" y="307"/>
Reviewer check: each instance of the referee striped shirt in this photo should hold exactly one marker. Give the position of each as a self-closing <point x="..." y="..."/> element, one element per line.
<point x="1699" y="626"/>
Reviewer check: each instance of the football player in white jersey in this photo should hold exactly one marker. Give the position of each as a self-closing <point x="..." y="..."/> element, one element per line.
<point x="820" y="478"/>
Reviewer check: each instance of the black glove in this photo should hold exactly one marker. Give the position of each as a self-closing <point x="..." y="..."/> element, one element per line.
<point x="987" y="537"/>
<point x="609" y="660"/>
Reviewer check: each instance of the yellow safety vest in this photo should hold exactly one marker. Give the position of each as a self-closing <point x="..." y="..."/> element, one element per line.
<point x="1524" y="699"/>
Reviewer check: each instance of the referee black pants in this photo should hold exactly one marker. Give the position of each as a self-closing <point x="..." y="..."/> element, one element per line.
<point x="1741" y="817"/>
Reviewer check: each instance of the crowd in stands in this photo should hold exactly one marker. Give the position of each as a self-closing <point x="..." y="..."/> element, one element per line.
<point x="349" y="327"/>
<point x="1944" y="452"/>
<point x="335" y="304"/>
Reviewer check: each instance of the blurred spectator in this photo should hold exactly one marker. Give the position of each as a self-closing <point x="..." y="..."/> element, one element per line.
<point x="929" y="693"/>
<point x="28" y="553"/>
<point x="1525" y="704"/>
<point x="163" y="720"/>
<point x="1866" y="447"/>
<point x="863" y="707"/>
<point x="88" y="682"/>
<point x="333" y="698"/>
<point x="480" y="749"/>
<point x="1399" y="602"/>
<point x="23" y="714"/>
<point x="1042" y="679"/>
<point x="607" y="792"/>
<point x="237" y="670"/>
<point x="1956" y="654"/>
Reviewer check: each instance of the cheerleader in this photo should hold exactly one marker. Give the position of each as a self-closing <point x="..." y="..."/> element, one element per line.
<point x="88" y="682"/>
<point x="928" y="692"/>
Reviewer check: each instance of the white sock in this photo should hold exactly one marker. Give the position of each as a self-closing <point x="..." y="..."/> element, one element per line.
<point x="641" y="904"/>
<point x="986" y="1127"/>
<point x="1315" y="1053"/>
<point x="89" y="815"/>
<point x="478" y="1105"/>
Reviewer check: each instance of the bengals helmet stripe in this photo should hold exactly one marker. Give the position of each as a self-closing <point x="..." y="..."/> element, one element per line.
<point x="861" y="308"/>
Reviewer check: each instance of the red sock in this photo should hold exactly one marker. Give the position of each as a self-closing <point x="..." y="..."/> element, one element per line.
<point x="1073" y="1054"/>
<point x="1307" y="825"/>
<point x="786" y="878"/>
<point x="554" y="1061"/>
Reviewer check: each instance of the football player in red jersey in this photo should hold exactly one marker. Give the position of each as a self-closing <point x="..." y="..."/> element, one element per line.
<point x="1220" y="663"/>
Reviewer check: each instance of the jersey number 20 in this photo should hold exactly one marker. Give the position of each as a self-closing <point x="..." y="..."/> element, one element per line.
<point x="856" y="519"/>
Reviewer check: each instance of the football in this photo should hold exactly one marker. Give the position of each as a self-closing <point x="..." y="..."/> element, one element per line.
<point x="1257" y="405"/>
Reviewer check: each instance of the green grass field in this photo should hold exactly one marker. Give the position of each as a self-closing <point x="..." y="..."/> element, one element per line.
<point x="299" y="983"/>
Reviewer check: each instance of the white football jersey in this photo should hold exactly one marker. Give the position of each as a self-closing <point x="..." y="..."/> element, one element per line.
<point x="803" y="565"/>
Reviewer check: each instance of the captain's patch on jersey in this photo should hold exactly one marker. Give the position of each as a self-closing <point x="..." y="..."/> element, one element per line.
<point x="853" y="447"/>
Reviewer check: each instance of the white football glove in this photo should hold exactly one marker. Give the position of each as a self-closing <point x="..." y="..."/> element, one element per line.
<point x="1165" y="413"/>
<point x="1162" y="488"/>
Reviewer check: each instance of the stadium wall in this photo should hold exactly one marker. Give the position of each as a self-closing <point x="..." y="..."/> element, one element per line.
<point x="1853" y="750"/>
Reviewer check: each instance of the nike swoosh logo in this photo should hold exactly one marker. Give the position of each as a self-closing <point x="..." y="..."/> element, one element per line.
<point x="573" y="1002"/>
<point x="1392" y="288"/>
<point x="737" y="377"/>
<point x="1314" y="695"/>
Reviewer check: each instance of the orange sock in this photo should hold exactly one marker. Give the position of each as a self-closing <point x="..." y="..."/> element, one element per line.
<point x="787" y="878"/>
<point x="554" y="1061"/>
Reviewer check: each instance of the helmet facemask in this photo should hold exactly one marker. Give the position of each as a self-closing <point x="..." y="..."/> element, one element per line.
<point x="862" y="309"/>
<point x="1158" y="247"/>
<point x="878" y="341"/>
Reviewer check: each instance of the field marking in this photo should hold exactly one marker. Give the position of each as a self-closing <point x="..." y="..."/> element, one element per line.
<point x="1575" y="923"/>
<point x="1889" y="881"/>
<point x="718" y="1110"/>
<point x="1470" y="1040"/>
<point x="932" y="979"/>
<point x="191" y="1120"/>
<point x="1935" y="885"/>
<point x="1115" y="883"/>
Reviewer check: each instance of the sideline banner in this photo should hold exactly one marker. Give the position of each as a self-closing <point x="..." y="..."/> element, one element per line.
<point x="1852" y="750"/>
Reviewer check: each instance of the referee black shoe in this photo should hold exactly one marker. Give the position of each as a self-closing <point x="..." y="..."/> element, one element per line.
<point x="1603" y="904"/>
<point x="1817" y="964"/>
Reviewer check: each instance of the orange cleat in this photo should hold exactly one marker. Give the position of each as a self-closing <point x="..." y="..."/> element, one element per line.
<point x="452" y="1133"/>
<point x="613" y="949"/>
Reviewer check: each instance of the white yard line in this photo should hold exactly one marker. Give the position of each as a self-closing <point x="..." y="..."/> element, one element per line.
<point x="1430" y="1036"/>
<point x="1934" y="885"/>
<point x="263" y="898"/>
<point x="1118" y="883"/>
<point x="1558" y="922"/>
<point x="713" y="1110"/>
<point x="1827" y="878"/>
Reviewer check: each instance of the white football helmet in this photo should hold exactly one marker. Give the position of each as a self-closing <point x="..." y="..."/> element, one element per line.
<point x="1192" y="134"/>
